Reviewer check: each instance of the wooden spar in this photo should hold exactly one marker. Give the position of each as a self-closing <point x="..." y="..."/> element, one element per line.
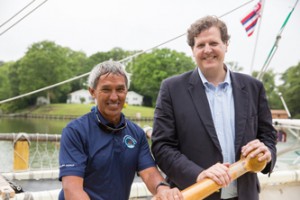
<point x="206" y="187"/>
<point x="6" y="192"/>
<point x="31" y="137"/>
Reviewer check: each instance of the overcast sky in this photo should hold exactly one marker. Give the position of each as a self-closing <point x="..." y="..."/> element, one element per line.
<point x="100" y="25"/>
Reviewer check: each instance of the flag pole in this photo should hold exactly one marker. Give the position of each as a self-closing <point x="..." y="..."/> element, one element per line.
<point x="257" y="36"/>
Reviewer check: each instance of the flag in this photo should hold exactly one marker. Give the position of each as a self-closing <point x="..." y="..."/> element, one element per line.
<point x="251" y="19"/>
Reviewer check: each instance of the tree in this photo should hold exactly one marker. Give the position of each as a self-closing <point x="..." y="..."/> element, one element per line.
<point x="9" y="87"/>
<point x="271" y="89"/>
<point x="148" y="70"/>
<point x="44" y="64"/>
<point x="116" y="54"/>
<point x="4" y="82"/>
<point x="290" y="90"/>
<point x="77" y="63"/>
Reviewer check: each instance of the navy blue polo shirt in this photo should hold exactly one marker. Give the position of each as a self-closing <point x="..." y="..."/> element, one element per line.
<point x="107" y="161"/>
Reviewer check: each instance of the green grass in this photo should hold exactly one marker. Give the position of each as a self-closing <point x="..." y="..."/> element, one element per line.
<point x="80" y="109"/>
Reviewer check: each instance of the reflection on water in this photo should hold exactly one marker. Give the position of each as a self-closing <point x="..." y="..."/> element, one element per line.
<point x="16" y="125"/>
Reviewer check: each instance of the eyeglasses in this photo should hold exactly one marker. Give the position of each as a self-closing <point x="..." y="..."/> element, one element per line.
<point x="108" y="128"/>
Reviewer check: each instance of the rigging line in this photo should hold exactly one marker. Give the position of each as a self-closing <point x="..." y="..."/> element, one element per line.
<point x="16" y="13"/>
<point x="122" y="60"/>
<point x="275" y="46"/>
<point x="268" y="60"/>
<point x="44" y="88"/>
<point x="179" y="36"/>
<point x="242" y="5"/>
<point x="34" y="9"/>
<point x="144" y="51"/>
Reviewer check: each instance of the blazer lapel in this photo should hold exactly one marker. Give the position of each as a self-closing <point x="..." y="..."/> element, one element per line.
<point x="241" y="101"/>
<point x="198" y="95"/>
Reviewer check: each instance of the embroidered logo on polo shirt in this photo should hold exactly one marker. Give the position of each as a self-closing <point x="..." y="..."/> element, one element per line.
<point x="66" y="165"/>
<point x="129" y="141"/>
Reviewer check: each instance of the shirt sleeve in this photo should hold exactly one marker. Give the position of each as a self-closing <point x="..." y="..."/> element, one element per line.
<point x="145" y="158"/>
<point x="72" y="154"/>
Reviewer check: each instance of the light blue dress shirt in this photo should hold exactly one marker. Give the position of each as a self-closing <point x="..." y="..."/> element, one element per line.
<point x="221" y="105"/>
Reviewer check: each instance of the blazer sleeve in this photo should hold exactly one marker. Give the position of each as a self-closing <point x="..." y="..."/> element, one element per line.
<point x="165" y="143"/>
<point x="266" y="132"/>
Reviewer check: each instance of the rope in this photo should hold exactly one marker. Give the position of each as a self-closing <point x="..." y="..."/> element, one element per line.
<point x="125" y="59"/>
<point x="36" y="154"/>
<point x="22" y="17"/>
<point x="16" y="13"/>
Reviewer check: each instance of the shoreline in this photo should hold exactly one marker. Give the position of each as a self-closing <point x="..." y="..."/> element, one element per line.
<point x="49" y="116"/>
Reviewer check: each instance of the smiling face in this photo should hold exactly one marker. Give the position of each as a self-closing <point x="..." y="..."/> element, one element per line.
<point x="110" y="95"/>
<point x="209" y="51"/>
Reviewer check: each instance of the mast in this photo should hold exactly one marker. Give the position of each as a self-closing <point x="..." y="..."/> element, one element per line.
<point x="257" y="36"/>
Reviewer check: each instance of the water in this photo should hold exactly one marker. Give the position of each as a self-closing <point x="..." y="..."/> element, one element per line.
<point x="38" y="125"/>
<point x="25" y="125"/>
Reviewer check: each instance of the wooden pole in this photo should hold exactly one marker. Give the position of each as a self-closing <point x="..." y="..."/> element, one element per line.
<point x="206" y="187"/>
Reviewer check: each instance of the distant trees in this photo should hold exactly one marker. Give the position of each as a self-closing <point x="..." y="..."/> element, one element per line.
<point x="116" y="54"/>
<point x="46" y="63"/>
<point x="290" y="90"/>
<point x="4" y="81"/>
<point x="271" y="89"/>
<point x="149" y="69"/>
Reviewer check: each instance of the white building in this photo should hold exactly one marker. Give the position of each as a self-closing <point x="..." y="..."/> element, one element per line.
<point x="80" y="96"/>
<point x="134" y="98"/>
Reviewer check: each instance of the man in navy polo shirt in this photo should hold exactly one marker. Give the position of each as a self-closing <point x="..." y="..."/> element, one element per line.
<point x="101" y="151"/>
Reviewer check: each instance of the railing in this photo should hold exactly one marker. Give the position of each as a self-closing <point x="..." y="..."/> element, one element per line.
<point x="35" y="157"/>
<point x="32" y="151"/>
<point x="66" y="117"/>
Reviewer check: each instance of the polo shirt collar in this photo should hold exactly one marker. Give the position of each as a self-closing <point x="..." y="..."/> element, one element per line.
<point x="122" y="122"/>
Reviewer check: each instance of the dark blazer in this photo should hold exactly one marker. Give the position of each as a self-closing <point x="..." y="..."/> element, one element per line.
<point x="184" y="139"/>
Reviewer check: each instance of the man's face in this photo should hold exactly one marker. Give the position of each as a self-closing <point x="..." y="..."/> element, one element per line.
<point x="110" y="95"/>
<point x="209" y="50"/>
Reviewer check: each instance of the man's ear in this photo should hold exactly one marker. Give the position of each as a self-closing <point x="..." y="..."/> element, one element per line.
<point x="92" y="92"/>
<point x="226" y="46"/>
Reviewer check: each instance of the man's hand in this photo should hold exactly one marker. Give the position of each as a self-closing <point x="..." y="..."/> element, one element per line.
<point x="218" y="173"/>
<point x="256" y="147"/>
<point x="165" y="193"/>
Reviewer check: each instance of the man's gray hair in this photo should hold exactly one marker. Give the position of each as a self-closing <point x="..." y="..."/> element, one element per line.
<point x="107" y="67"/>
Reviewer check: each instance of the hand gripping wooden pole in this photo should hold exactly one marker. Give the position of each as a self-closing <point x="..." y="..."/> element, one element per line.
<point x="206" y="187"/>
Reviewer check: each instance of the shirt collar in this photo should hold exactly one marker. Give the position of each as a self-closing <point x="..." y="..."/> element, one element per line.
<point x="107" y="123"/>
<point x="227" y="80"/>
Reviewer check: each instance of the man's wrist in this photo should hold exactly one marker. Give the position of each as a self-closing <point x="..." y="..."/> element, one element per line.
<point x="162" y="183"/>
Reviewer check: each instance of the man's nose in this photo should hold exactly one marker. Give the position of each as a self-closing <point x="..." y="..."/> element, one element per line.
<point x="114" y="95"/>
<point x="207" y="48"/>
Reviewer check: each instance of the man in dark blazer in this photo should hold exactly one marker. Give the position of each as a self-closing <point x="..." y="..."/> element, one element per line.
<point x="207" y="118"/>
